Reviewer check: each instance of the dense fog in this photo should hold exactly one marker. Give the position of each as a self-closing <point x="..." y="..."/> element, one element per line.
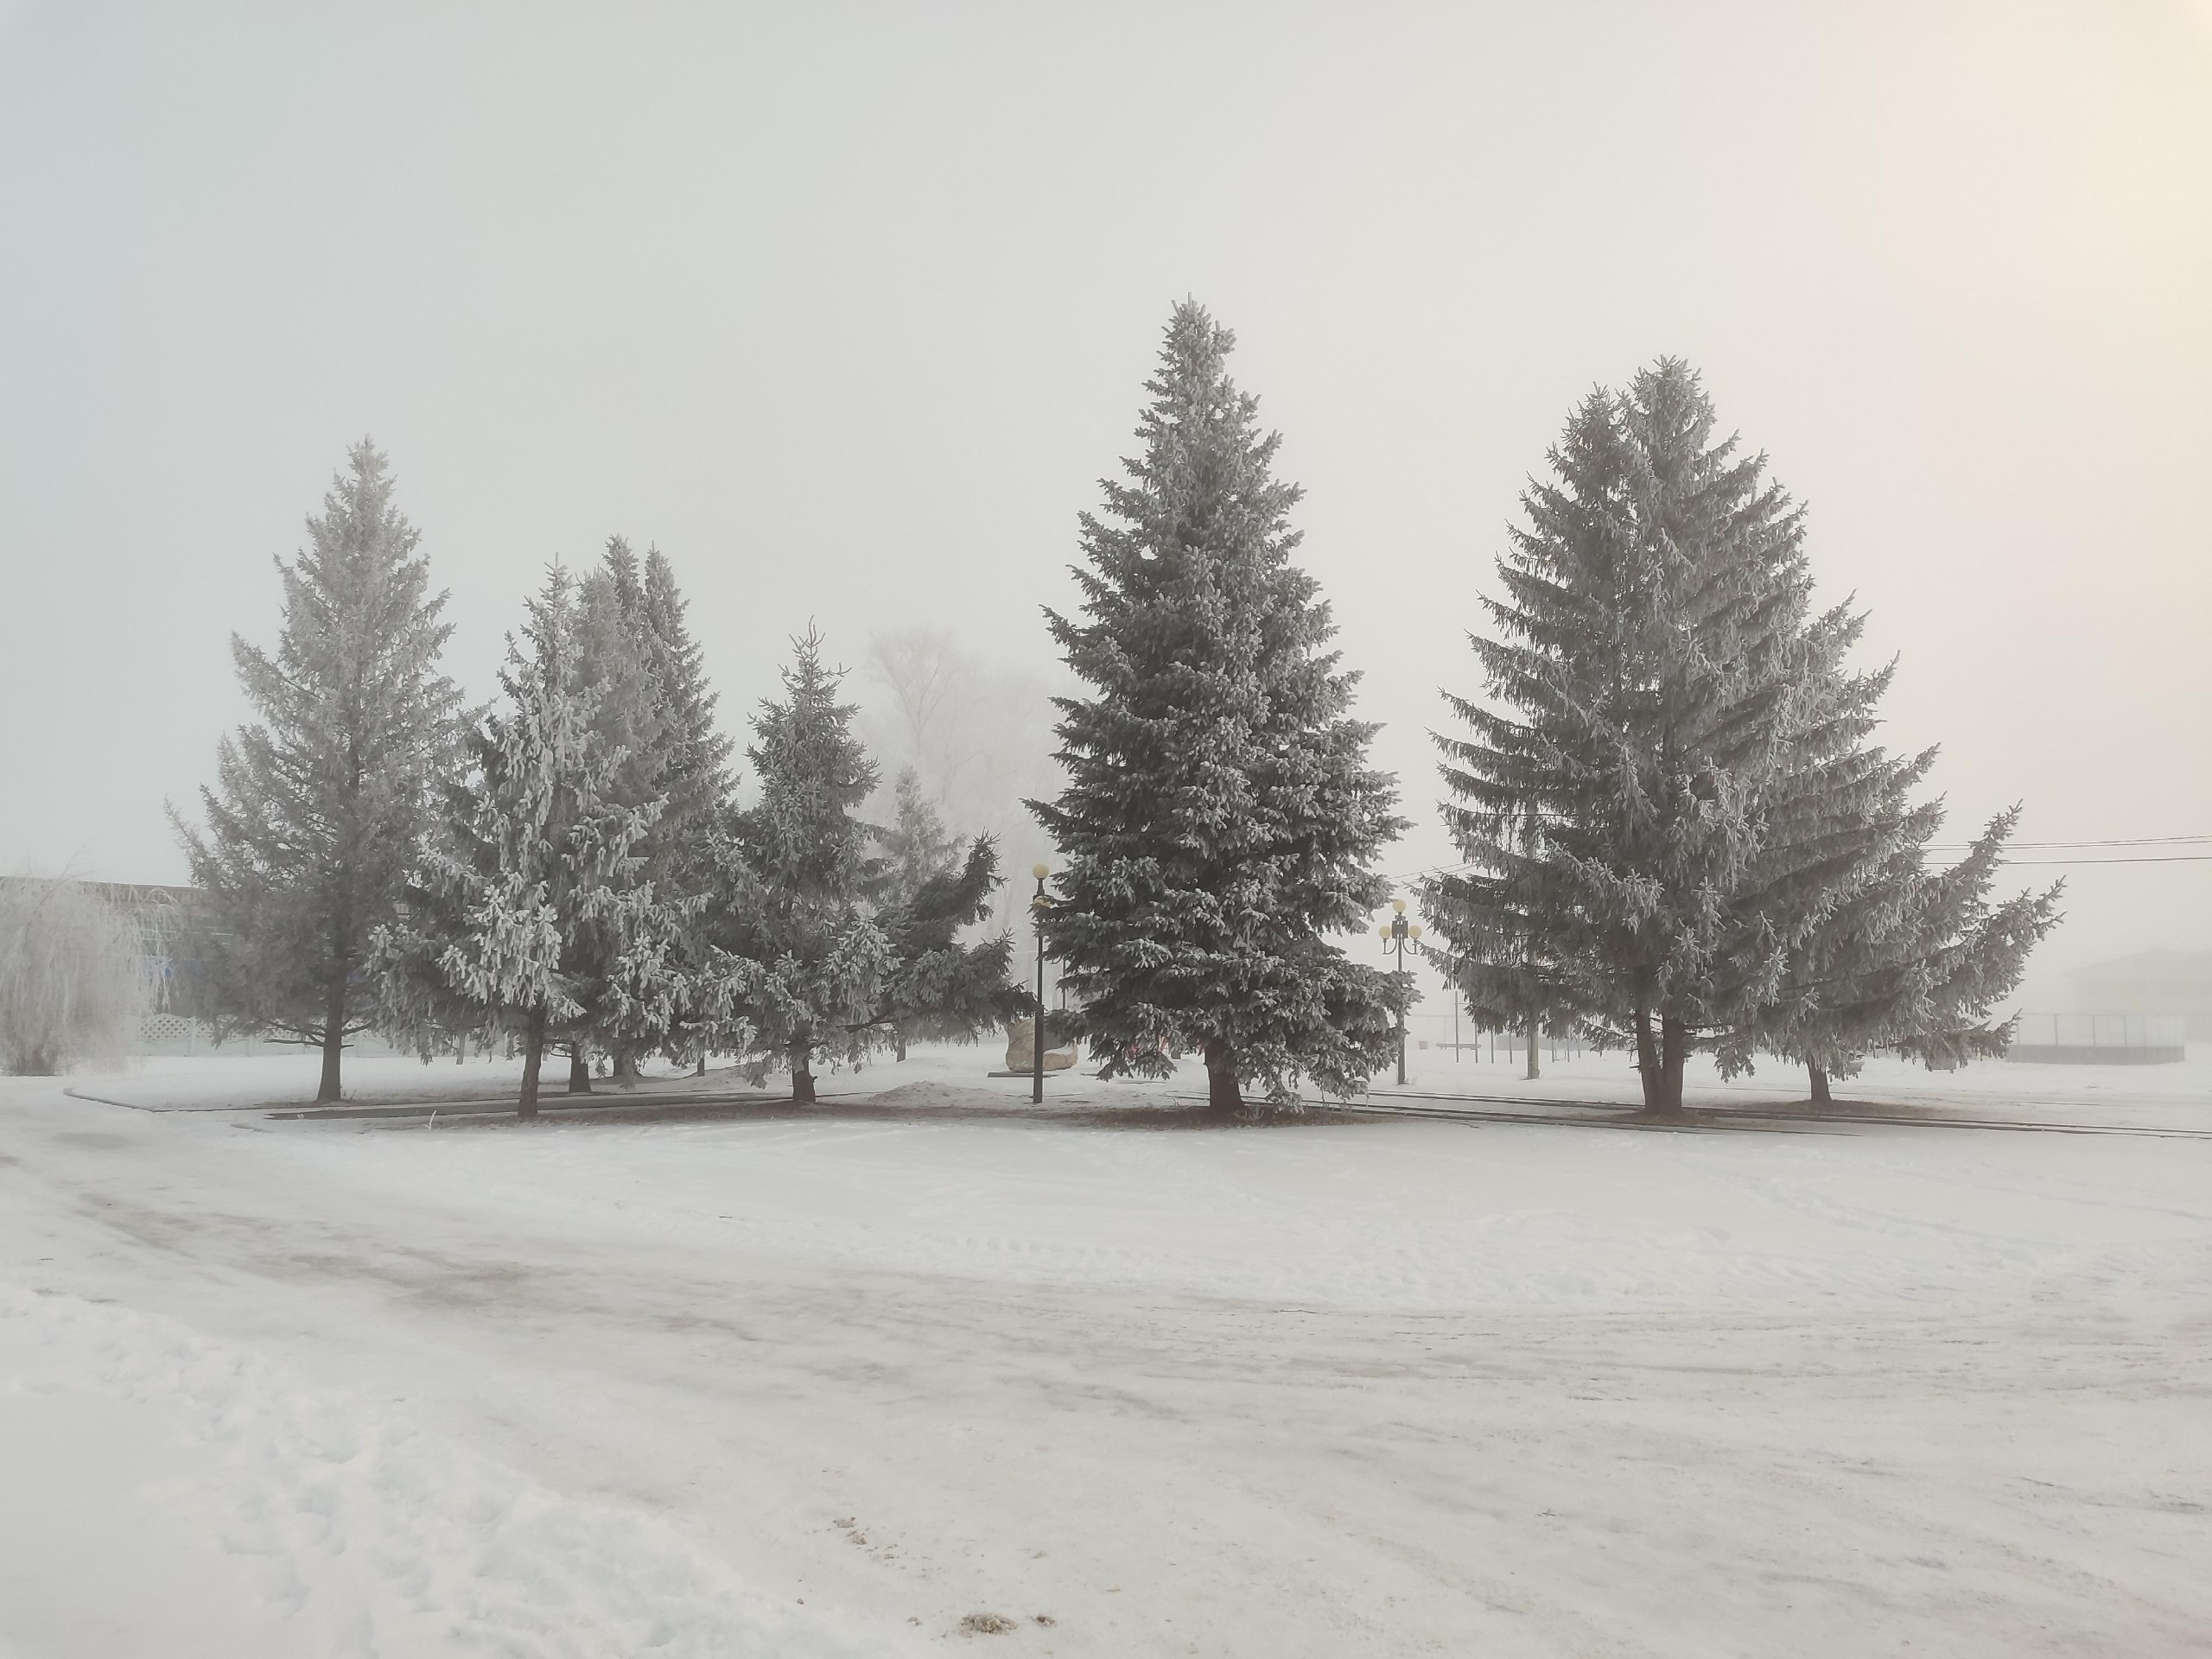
<point x="848" y="313"/>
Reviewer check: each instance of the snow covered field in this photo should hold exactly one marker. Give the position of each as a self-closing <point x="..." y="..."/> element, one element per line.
<point x="774" y="1381"/>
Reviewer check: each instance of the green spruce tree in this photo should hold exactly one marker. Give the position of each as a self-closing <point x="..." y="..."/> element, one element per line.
<point x="1650" y="635"/>
<point x="684" y="850"/>
<point x="1220" y="820"/>
<point x="1716" y="843"/>
<point x="803" y="959"/>
<point x="318" y="804"/>
<point x="619" y="669"/>
<point x="926" y="894"/>
<point x="1887" y="951"/>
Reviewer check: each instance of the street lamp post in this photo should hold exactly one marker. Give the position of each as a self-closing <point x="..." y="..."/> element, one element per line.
<point x="1396" y="934"/>
<point x="1037" y="1028"/>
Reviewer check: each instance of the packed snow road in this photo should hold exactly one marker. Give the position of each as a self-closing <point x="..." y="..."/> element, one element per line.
<point x="935" y="1372"/>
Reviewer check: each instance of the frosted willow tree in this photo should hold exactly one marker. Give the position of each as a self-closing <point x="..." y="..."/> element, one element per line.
<point x="1220" y="820"/>
<point x="532" y="896"/>
<point x="72" y="981"/>
<point x="803" y="959"/>
<point x="319" y="803"/>
<point x="1716" y="841"/>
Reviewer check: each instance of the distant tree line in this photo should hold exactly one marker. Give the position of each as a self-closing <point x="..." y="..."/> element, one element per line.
<point x="1678" y="832"/>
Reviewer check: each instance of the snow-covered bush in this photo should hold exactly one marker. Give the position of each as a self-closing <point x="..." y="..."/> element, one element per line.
<point x="72" y="987"/>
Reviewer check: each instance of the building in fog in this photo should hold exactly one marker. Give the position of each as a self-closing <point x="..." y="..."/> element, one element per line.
<point x="2151" y="982"/>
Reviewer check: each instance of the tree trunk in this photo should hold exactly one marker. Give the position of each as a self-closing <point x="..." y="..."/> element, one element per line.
<point x="1222" y="1093"/>
<point x="1536" y="1035"/>
<point x="533" y="1056"/>
<point x="1647" y="1060"/>
<point x="1673" y="1052"/>
<point x="802" y="1079"/>
<point x="625" y="1068"/>
<point x="579" y="1070"/>
<point x="334" y="1041"/>
<point x="1820" y="1096"/>
<point x="898" y="1039"/>
<point x="700" y="1070"/>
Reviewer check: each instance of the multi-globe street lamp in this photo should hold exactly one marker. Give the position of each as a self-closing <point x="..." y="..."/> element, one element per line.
<point x="1396" y="934"/>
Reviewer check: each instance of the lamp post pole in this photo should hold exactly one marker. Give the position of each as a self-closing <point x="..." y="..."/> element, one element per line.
<point x="1037" y="1028"/>
<point x="1396" y="933"/>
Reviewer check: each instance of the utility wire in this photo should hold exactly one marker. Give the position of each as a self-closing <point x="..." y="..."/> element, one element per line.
<point x="2174" y="858"/>
<point x="2039" y="846"/>
<point x="1411" y="878"/>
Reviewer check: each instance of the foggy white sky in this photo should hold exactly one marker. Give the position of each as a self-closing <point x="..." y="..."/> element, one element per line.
<point x="849" y="311"/>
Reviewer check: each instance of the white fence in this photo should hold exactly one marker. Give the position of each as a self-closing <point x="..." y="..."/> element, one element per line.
<point x="2100" y="1039"/>
<point x="176" y="1034"/>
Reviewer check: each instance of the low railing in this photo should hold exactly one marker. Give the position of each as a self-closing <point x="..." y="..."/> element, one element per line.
<point x="2100" y="1039"/>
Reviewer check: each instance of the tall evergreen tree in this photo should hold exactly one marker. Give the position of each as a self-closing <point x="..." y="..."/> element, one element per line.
<point x="1664" y="706"/>
<point x="534" y="895"/>
<point x="688" y="845"/>
<point x="618" y="667"/>
<point x="318" y="804"/>
<point x="1650" y="637"/>
<point x="805" y="961"/>
<point x="1220" y="819"/>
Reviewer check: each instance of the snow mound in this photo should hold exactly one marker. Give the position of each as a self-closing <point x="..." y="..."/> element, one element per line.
<point x="301" y="1522"/>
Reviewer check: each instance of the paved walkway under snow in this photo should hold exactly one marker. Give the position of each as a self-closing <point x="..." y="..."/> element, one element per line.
<point x="833" y="1382"/>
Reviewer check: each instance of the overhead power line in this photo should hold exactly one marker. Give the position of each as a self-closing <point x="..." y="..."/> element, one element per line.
<point x="1411" y="878"/>
<point x="2039" y="846"/>
<point x="2169" y="858"/>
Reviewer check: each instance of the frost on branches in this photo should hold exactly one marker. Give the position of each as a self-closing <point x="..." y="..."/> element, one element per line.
<point x="1220" y="819"/>
<point x="318" y="804"/>
<point x="532" y="910"/>
<point x="1680" y="834"/>
<point x="637" y="663"/>
<point x="802" y="956"/>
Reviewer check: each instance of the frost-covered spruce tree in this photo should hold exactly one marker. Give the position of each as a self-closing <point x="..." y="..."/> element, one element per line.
<point x="1889" y="952"/>
<point x="318" y="804"/>
<point x="698" y="751"/>
<point x="653" y="702"/>
<point x="630" y="988"/>
<point x="688" y="846"/>
<point x="805" y="962"/>
<point x="1652" y="636"/>
<point x="1220" y="819"/>
<point x="534" y="894"/>
<point x="926" y="894"/>
<point x="1914" y="959"/>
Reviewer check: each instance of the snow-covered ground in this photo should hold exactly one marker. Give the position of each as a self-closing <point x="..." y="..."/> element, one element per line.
<point x="757" y="1379"/>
